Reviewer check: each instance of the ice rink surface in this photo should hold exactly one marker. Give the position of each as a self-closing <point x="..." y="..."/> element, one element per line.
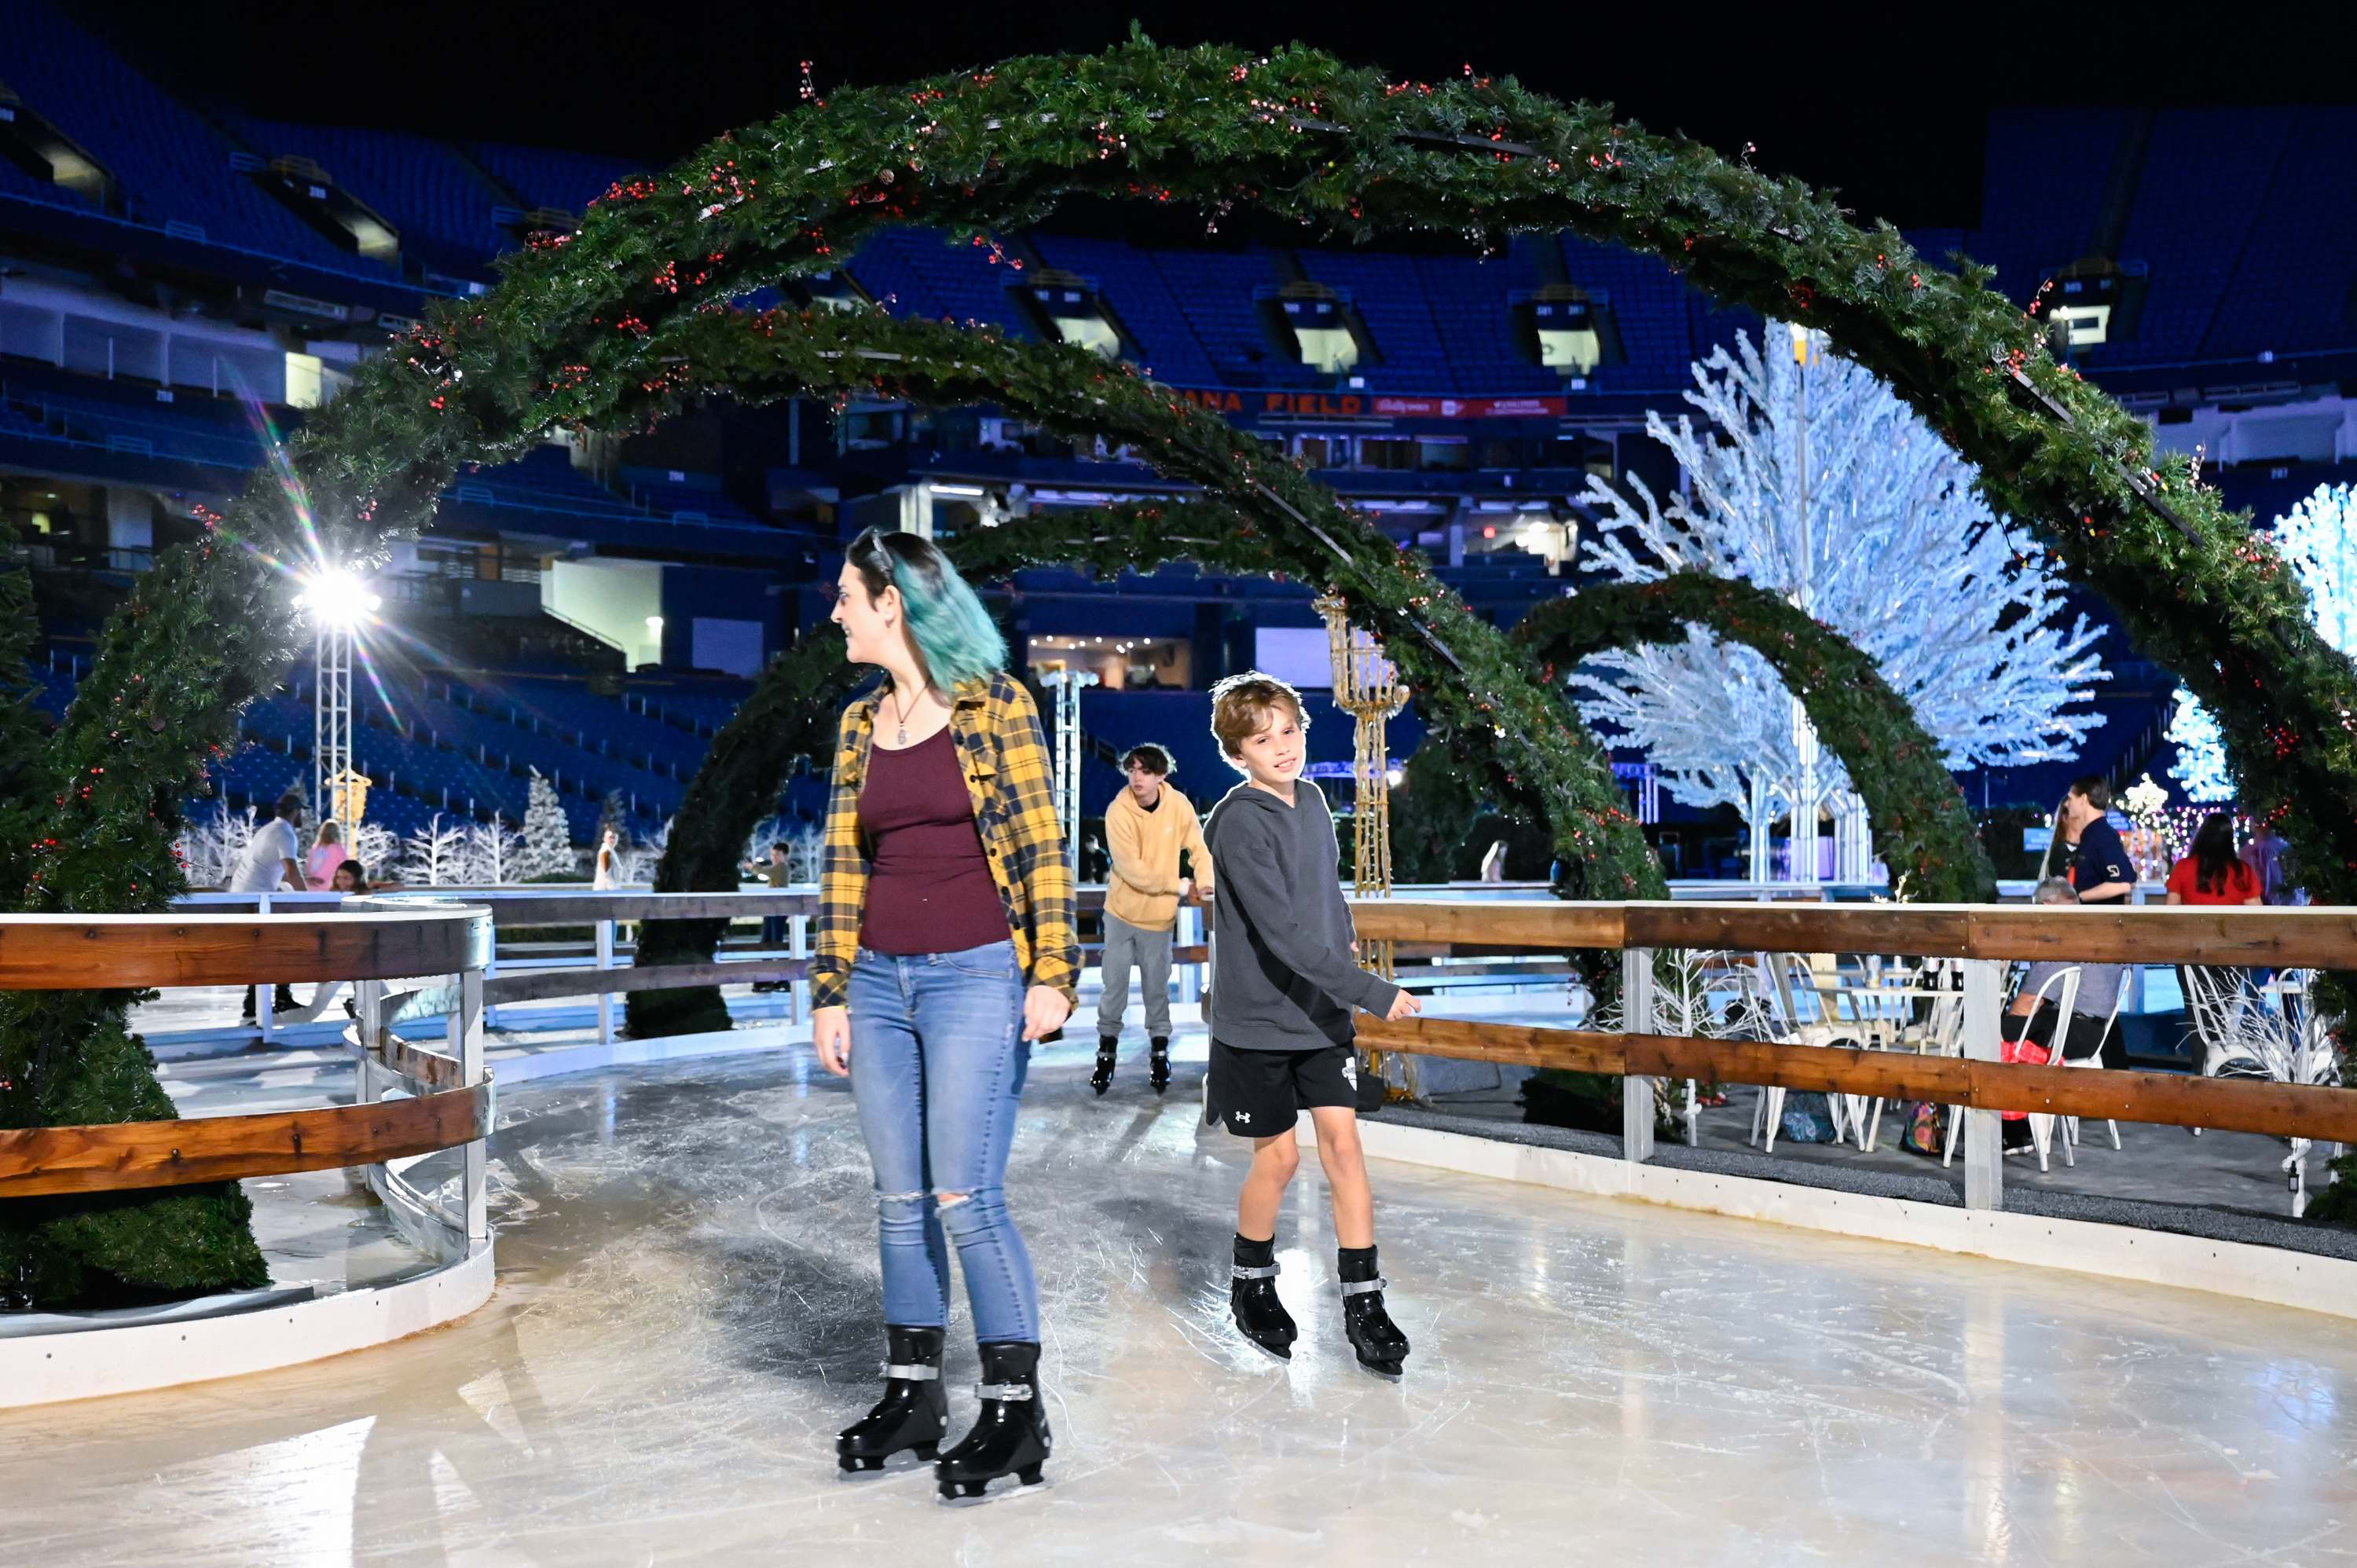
<point x="689" y="1308"/>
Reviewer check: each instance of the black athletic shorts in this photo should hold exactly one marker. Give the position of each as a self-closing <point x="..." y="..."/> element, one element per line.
<point x="1259" y="1093"/>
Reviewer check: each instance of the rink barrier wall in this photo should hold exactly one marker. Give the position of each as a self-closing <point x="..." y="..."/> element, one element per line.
<point x="134" y="1357"/>
<point x="408" y="1103"/>
<point x="2270" y="1275"/>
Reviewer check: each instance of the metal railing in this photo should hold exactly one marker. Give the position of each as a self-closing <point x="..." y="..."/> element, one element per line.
<point x="407" y="1103"/>
<point x="1982" y="939"/>
<point x="513" y="977"/>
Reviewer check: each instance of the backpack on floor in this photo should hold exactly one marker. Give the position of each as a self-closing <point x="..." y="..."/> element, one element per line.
<point x="1926" y="1128"/>
<point x="1807" y="1119"/>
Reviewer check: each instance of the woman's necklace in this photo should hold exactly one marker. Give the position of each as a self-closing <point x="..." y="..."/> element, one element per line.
<point x="919" y="697"/>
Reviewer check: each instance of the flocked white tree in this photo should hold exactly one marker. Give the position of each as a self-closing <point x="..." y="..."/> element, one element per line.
<point x="492" y="855"/>
<point x="432" y="854"/>
<point x="2315" y="540"/>
<point x="1810" y="478"/>
<point x="378" y="850"/>
<point x="547" y="836"/>
<point x="213" y="841"/>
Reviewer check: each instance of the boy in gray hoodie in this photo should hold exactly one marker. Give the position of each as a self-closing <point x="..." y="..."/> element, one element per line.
<point x="1285" y="978"/>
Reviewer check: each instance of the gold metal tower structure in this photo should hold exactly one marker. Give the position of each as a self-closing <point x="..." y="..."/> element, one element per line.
<point x="1368" y="688"/>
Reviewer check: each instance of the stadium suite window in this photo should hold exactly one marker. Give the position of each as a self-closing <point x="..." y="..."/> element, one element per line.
<point x="1451" y="455"/>
<point x="1379" y="454"/>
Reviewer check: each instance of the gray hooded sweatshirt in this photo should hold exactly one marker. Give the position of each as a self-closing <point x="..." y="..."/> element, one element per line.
<point x="1281" y="974"/>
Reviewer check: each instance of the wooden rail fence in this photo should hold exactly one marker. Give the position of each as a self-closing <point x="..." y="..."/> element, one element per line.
<point x="1986" y="937"/>
<point x="447" y="1101"/>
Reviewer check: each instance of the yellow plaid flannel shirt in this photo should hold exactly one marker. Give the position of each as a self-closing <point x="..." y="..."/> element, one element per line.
<point x="996" y="727"/>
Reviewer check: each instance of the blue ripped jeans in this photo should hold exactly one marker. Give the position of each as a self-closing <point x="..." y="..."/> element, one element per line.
<point x="937" y="1064"/>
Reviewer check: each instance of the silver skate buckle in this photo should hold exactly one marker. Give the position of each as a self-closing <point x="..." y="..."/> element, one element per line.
<point x="1266" y="1272"/>
<point x="1360" y="1287"/>
<point x="911" y="1374"/>
<point x="1003" y="1390"/>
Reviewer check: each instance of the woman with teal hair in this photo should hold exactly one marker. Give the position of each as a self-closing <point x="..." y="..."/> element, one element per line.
<point x="945" y="946"/>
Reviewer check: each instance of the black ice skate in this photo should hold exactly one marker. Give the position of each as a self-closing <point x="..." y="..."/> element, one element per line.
<point x="914" y="1411"/>
<point x="1158" y="1064"/>
<point x="1260" y="1317"/>
<point x="1381" y="1346"/>
<point x="1010" y="1437"/>
<point x="1101" y="1079"/>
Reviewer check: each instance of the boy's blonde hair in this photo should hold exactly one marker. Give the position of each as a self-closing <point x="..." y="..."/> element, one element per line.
<point x="1241" y="705"/>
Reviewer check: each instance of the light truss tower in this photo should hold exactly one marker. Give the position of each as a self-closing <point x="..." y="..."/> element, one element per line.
<point x="331" y="720"/>
<point x="1064" y="784"/>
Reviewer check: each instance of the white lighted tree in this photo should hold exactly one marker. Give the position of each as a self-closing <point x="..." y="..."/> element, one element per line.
<point x="2201" y="765"/>
<point x="1810" y="478"/>
<point x="547" y="836"/>
<point x="2314" y="540"/>
<point x="432" y="854"/>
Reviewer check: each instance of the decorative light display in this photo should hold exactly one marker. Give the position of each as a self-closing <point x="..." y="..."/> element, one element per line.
<point x="638" y="313"/>
<point x="2314" y="540"/>
<point x="1811" y="481"/>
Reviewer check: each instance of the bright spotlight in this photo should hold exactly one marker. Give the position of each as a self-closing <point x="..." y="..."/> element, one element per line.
<point x="337" y="596"/>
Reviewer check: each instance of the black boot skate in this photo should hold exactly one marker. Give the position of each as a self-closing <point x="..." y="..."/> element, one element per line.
<point x="915" y="1409"/>
<point x="1010" y="1437"/>
<point x="1158" y="1064"/>
<point x="1107" y="1048"/>
<point x="1380" y="1344"/>
<point x="1260" y="1317"/>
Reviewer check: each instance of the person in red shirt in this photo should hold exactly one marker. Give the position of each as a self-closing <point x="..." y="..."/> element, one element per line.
<point x="2213" y="873"/>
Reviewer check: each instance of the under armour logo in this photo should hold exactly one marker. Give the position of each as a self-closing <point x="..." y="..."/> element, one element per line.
<point x="1244" y="1115"/>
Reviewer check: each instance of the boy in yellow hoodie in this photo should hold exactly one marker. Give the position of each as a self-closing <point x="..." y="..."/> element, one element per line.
<point x="1146" y="828"/>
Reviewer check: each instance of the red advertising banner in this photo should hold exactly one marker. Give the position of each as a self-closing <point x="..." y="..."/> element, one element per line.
<point x="1360" y="405"/>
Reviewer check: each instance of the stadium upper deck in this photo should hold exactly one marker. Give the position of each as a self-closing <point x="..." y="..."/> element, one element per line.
<point x="162" y="262"/>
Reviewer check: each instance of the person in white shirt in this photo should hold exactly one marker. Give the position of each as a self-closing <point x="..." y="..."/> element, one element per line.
<point x="271" y="865"/>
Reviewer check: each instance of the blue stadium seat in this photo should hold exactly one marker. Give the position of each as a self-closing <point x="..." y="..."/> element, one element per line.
<point x="444" y="212"/>
<point x="172" y="165"/>
<point x="567" y="181"/>
<point x="150" y="429"/>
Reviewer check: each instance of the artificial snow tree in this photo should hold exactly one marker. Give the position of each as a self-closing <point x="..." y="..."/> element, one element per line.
<point x="547" y="835"/>
<point x="1810" y="479"/>
<point x="492" y="856"/>
<point x="432" y="855"/>
<point x="2200" y="767"/>
<point x="2313" y="539"/>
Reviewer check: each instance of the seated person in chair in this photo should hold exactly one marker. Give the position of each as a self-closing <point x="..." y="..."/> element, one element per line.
<point x="2033" y="1016"/>
<point x="2099" y="989"/>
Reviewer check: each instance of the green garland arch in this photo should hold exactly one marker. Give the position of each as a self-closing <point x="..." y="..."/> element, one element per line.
<point x="594" y="329"/>
<point x="1257" y="513"/>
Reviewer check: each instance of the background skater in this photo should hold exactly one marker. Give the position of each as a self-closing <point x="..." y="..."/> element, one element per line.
<point x="1146" y="827"/>
<point x="1283" y="980"/>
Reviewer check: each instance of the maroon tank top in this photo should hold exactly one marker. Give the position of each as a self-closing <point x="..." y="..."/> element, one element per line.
<point x="929" y="887"/>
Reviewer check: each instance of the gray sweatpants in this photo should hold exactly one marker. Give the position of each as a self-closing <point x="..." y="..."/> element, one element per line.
<point x="1125" y="945"/>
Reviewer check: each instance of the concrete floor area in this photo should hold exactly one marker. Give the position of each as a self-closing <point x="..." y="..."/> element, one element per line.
<point x="688" y="1309"/>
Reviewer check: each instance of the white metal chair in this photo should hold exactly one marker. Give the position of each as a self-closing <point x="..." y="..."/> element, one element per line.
<point x="1883" y="1010"/>
<point x="1773" y="1008"/>
<point x="2270" y="1032"/>
<point x="2042" y="1123"/>
<point x="2094" y="1058"/>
